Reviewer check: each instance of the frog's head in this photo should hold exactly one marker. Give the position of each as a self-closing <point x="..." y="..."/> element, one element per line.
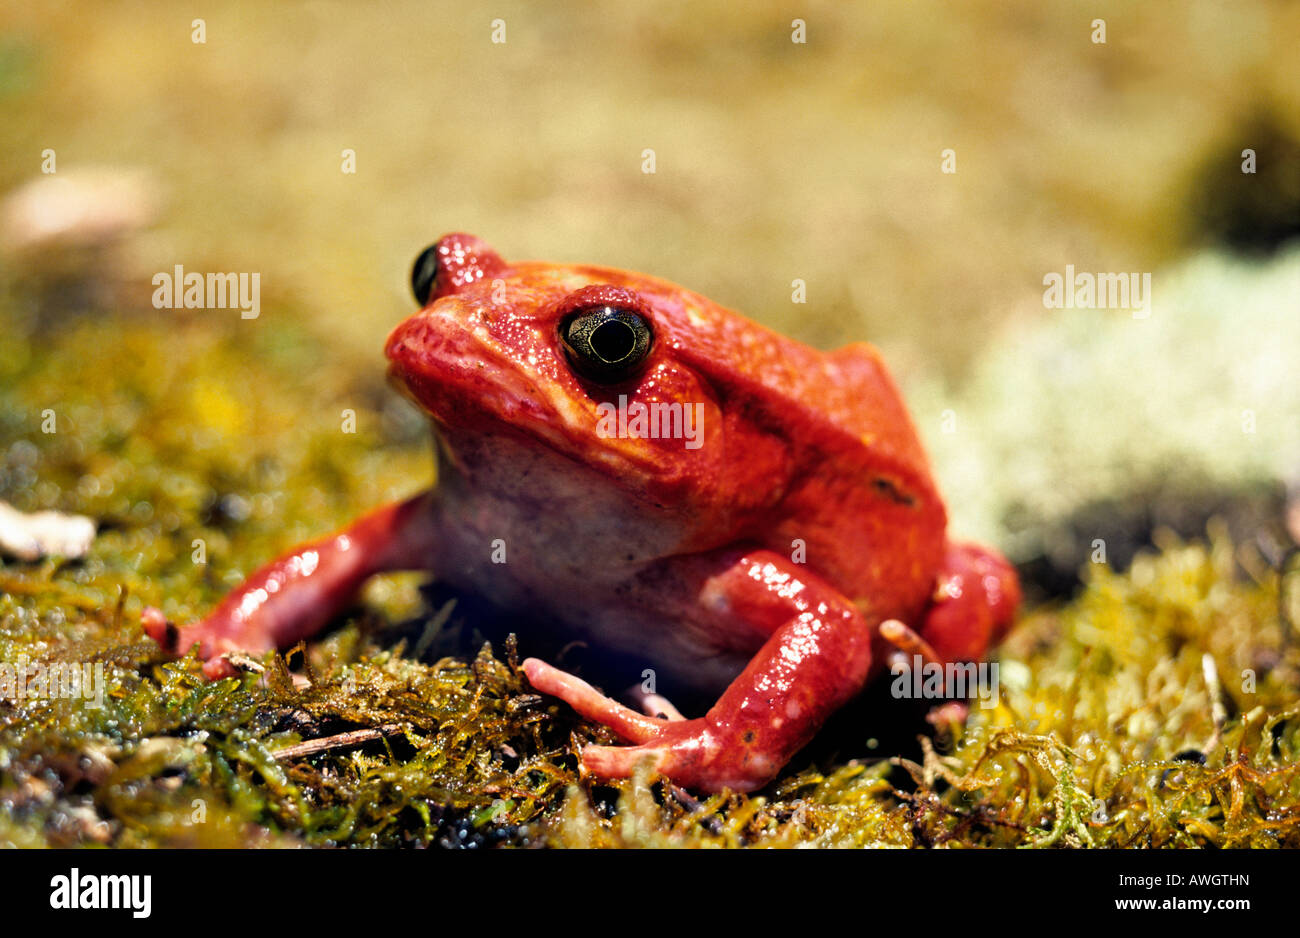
<point x="611" y="370"/>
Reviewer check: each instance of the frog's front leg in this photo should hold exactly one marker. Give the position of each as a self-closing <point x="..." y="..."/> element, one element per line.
<point x="293" y="597"/>
<point x="816" y="656"/>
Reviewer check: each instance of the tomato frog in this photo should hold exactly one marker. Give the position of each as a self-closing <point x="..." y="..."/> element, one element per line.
<point x="670" y="481"/>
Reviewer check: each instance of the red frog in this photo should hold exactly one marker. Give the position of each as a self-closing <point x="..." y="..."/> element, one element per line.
<point x="664" y="479"/>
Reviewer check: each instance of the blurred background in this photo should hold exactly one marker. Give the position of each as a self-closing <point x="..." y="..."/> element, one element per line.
<point x="775" y="160"/>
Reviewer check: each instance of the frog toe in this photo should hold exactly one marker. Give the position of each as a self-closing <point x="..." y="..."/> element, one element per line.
<point x="653" y="705"/>
<point x="590" y="702"/>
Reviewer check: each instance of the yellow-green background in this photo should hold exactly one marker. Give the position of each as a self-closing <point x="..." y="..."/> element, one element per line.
<point x="775" y="160"/>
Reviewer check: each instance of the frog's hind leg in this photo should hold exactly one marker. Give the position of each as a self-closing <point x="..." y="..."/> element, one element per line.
<point x="975" y="599"/>
<point x="295" y="596"/>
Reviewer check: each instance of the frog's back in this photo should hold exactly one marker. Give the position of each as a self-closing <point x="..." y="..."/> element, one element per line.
<point x="859" y="494"/>
<point x="844" y="400"/>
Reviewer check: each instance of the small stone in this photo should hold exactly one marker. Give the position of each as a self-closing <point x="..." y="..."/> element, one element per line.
<point x="44" y="533"/>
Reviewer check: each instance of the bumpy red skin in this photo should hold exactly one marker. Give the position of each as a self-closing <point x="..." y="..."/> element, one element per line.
<point x="680" y="554"/>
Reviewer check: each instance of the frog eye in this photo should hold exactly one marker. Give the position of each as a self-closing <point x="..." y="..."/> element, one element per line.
<point x="453" y="263"/>
<point x="424" y="273"/>
<point x="606" y="343"/>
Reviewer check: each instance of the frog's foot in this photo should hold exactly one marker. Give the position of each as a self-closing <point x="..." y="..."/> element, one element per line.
<point x="816" y="656"/>
<point x="175" y="641"/>
<point x="692" y="753"/>
<point x="296" y="596"/>
<point x="697" y="754"/>
<point x="911" y="650"/>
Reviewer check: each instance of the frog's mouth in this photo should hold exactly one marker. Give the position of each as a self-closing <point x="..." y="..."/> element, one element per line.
<point x="467" y="382"/>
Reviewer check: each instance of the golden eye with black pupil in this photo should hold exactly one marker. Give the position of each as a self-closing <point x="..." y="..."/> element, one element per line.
<point x="424" y="274"/>
<point x="606" y="344"/>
